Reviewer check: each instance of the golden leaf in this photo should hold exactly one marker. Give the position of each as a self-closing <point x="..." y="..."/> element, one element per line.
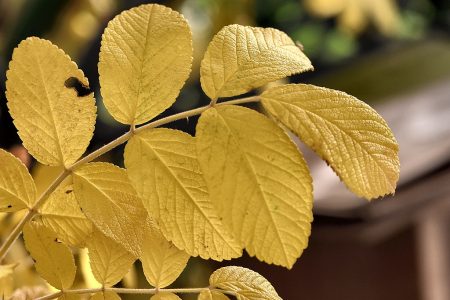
<point x="110" y="202"/>
<point x="240" y="58"/>
<point x="212" y="295"/>
<point x="347" y="133"/>
<point x="163" y="166"/>
<point x="54" y="123"/>
<point x="145" y="58"/>
<point x="17" y="189"/>
<point x="258" y="181"/>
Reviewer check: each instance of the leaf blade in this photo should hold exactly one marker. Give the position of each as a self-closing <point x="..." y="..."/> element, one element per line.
<point x="347" y="133"/>
<point x="247" y="284"/>
<point x="116" y="211"/>
<point x="54" y="124"/>
<point x="54" y="260"/>
<point x="161" y="260"/>
<point x="141" y="73"/>
<point x="258" y="181"/>
<point x="240" y="58"/>
<point x="17" y="188"/>
<point x="163" y="166"/>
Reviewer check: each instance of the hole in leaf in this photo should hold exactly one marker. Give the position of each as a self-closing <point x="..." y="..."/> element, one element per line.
<point x="69" y="191"/>
<point x="81" y="89"/>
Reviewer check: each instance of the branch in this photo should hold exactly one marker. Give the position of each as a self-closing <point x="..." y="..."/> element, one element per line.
<point x="134" y="291"/>
<point x="108" y="147"/>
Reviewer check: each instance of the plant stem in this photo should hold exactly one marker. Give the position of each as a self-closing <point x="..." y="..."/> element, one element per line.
<point x="108" y="147"/>
<point x="133" y="291"/>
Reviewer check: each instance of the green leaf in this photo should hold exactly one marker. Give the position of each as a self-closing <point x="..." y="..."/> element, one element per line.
<point x="347" y="133"/>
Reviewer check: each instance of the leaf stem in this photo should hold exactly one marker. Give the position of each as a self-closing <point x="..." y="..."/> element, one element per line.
<point x="108" y="147"/>
<point x="134" y="291"/>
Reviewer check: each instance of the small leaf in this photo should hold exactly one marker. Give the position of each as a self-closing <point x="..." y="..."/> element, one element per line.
<point x="247" y="284"/>
<point x="165" y="296"/>
<point x="109" y="260"/>
<point x="105" y="296"/>
<point x="62" y="214"/>
<point x="161" y="260"/>
<point x="212" y="295"/>
<point x="347" y="133"/>
<point x="163" y="166"/>
<point x="258" y="181"/>
<point x="145" y="58"/>
<point x="108" y="199"/>
<point x="240" y="58"/>
<point x="70" y="297"/>
<point x="54" y="124"/>
<point x="17" y="189"/>
<point x="54" y="260"/>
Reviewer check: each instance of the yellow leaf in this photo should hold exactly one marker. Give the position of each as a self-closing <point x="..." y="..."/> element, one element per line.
<point x="163" y="166"/>
<point x="44" y="175"/>
<point x="54" y="260"/>
<point x="354" y="140"/>
<point x="109" y="260"/>
<point x="240" y="58"/>
<point x="145" y="58"/>
<point x="70" y="297"/>
<point x="161" y="260"/>
<point x="17" y="189"/>
<point x="108" y="199"/>
<point x="54" y="124"/>
<point x="247" y="284"/>
<point x="165" y="296"/>
<point x="258" y="181"/>
<point x="212" y="295"/>
<point x="105" y="296"/>
<point x="62" y="213"/>
<point x="86" y="270"/>
<point x="7" y="270"/>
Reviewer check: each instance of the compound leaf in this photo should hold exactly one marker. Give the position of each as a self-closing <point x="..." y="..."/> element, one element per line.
<point x="145" y="58"/>
<point x="54" y="123"/>
<point x="163" y="166"/>
<point x="258" y="181"/>
<point x="165" y="296"/>
<point x="17" y="189"/>
<point x="347" y="133"/>
<point x="109" y="260"/>
<point x="109" y="200"/>
<point x="54" y="260"/>
<point x="247" y="284"/>
<point x="62" y="213"/>
<point x="240" y="58"/>
<point x="212" y="295"/>
<point x="161" y="260"/>
<point x="105" y="296"/>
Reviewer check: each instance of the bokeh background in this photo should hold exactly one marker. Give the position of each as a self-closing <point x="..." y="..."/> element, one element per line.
<point x="395" y="55"/>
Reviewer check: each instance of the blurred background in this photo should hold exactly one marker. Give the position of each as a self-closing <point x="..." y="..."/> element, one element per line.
<point x="395" y="55"/>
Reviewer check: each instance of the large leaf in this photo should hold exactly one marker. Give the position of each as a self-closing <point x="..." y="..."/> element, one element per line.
<point x="247" y="284"/>
<point x="258" y="180"/>
<point x="240" y="58"/>
<point x="54" y="123"/>
<point x="17" y="189"/>
<point x="354" y="140"/>
<point x="110" y="202"/>
<point x="109" y="260"/>
<point x="62" y="213"/>
<point x="163" y="166"/>
<point x="145" y="58"/>
<point x="161" y="260"/>
<point x="54" y="260"/>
